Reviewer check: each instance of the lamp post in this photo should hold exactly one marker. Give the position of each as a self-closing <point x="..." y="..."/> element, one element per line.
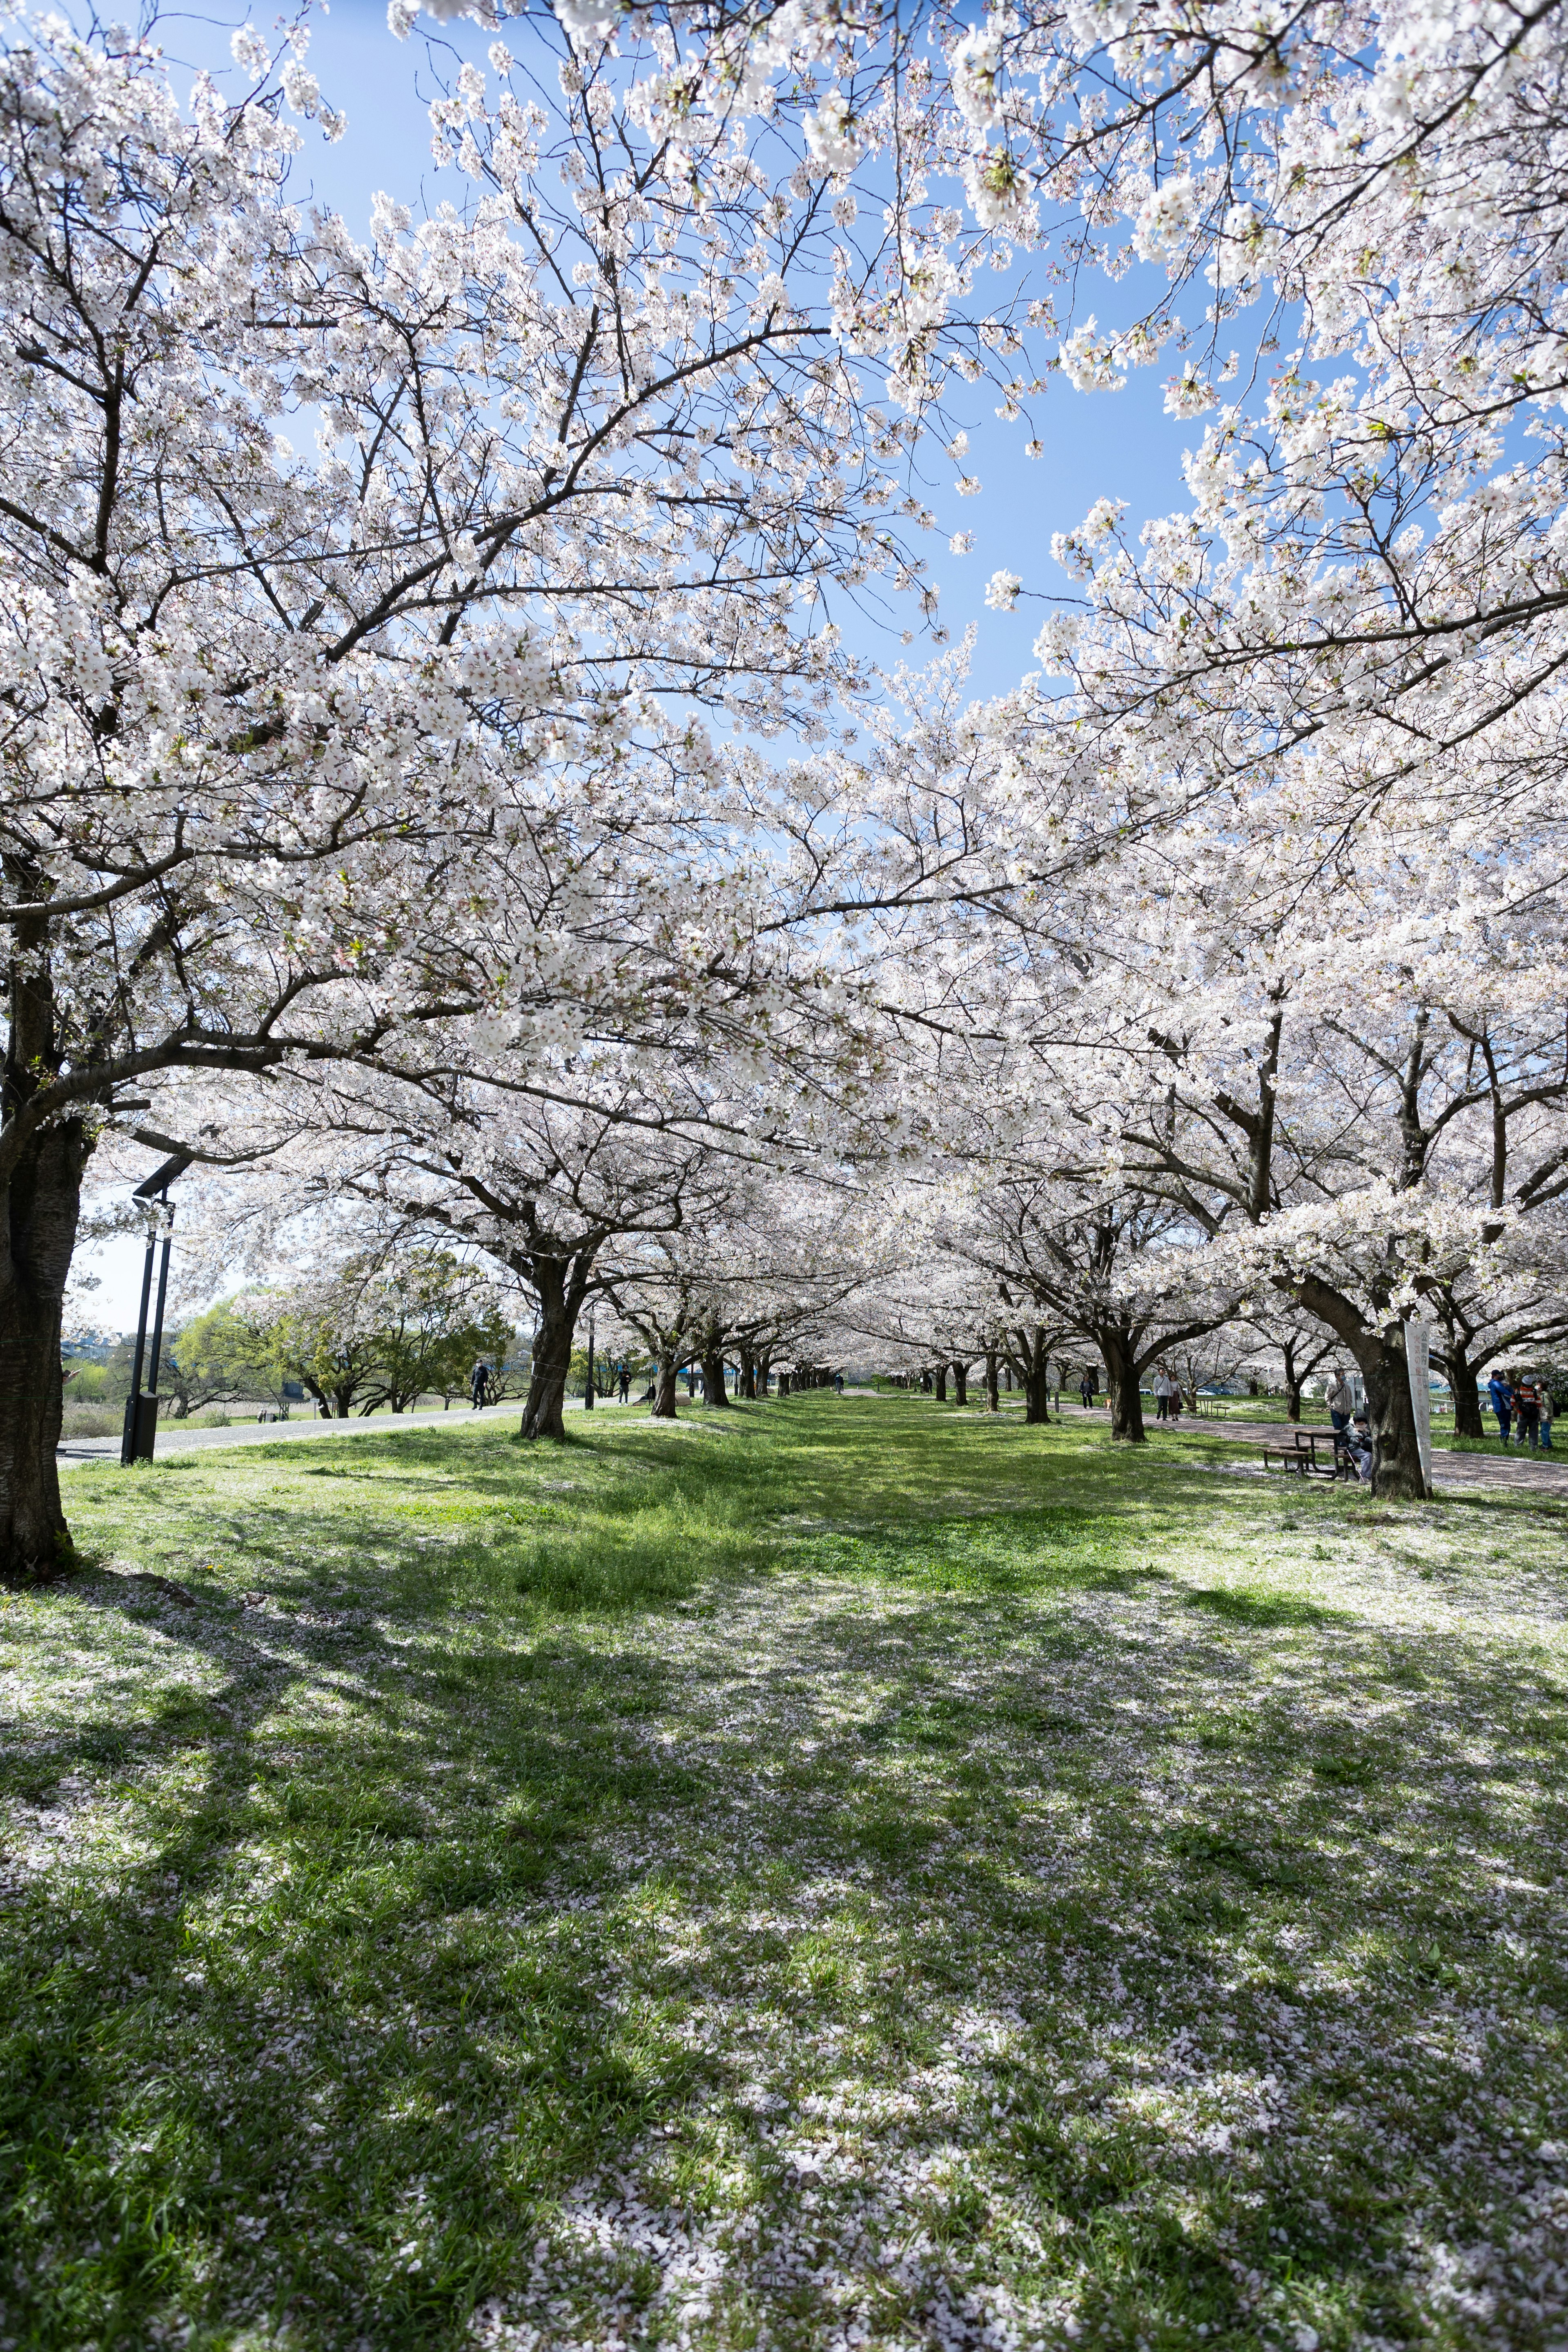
<point x="588" y="1392"/>
<point x="141" y="1430"/>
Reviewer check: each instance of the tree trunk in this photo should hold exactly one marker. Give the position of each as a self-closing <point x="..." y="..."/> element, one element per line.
<point x="960" y="1383"/>
<point x="748" y="1376"/>
<point x="664" y="1386"/>
<point x="1293" y="1382"/>
<point x="993" y="1401"/>
<point x="1395" y="1461"/>
<point x="1037" y="1393"/>
<point x="1380" y="1360"/>
<point x="1465" y="1382"/>
<point x="783" y="1384"/>
<point x="764" y="1372"/>
<point x="551" y="1352"/>
<point x="1122" y="1382"/>
<point x="940" y="1378"/>
<point x="714" y="1376"/>
<point x="40" y="1207"/>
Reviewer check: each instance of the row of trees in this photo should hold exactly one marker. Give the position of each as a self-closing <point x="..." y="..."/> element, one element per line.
<point x="368" y="816"/>
<point x="372" y="1334"/>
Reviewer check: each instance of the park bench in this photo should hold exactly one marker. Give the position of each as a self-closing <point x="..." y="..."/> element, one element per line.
<point x="1302" y="1454"/>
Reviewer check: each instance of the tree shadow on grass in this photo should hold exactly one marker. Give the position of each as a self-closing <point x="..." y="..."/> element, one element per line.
<point x="1071" y="1939"/>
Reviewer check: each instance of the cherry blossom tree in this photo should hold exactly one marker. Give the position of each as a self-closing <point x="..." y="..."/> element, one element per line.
<point x="279" y="724"/>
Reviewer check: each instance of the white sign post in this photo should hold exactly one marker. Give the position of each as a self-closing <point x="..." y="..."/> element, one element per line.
<point x="1417" y="1358"/>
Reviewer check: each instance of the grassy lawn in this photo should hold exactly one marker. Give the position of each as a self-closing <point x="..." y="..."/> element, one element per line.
<point x="835" y="1874"/>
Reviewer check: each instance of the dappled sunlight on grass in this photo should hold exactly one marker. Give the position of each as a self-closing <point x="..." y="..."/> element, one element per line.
<point x="830" y="1874"/>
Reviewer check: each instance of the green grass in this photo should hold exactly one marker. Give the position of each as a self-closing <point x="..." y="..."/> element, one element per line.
<point x="831" y="1873"/>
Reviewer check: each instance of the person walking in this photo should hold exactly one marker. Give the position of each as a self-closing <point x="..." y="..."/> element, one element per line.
<point x="1339" y="1398"/>
<point x="626" y="1379"/>
<point x="1174" y="1403"/>
<point x="478" y="1384"/>
<point x="1500" y="1389"/>
<point x="1086" y="1388"/>
<point x="1162" y="1393"/>
<point x="1527" y="1407"/>
<point x="838" y="1384"/>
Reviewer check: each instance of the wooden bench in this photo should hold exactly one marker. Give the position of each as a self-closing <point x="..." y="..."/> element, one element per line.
<point x="1302" y="1454"/>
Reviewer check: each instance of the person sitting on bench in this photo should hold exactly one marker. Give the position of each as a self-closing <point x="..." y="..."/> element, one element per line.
<point x="1358" y="1445"/>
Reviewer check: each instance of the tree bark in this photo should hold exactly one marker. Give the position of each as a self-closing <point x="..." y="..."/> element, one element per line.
<point x="39" y="1206"/>
<point x="783" y="1384"/>
<point x="960" y="1383"/>
<point x="1396" y="1460"/>
<point x="1037" y="1393"/>
<point x="940" y="1378"/>
<point x="1464" y="1381"/>
<point x="1293" y="1382"/>
<point x="664" y="1386"/>
<point x="1121" y="1381"/>
<point x="748" y="1376"/>
<point x="551" y="1352"/>
<point x="714" y="1376"/>
<point x="993" y="1401"/>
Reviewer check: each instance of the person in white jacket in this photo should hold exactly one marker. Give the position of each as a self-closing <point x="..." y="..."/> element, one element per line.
<point x="1339" y="1398"/>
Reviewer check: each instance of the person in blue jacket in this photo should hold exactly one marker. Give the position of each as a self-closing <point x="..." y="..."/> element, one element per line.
<point x="1499" y="1388"/>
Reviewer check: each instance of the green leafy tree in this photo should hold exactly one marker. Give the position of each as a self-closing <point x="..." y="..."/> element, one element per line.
<point x="219" y="1357"/>
<point x="436" y="1318"/>
<point x="384" y="1331"/>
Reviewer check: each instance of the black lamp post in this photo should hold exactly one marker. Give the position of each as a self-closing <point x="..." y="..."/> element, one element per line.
<point x="142" y="1411"/>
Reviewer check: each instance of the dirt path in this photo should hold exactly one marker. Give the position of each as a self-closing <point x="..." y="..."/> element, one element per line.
<point x="1540" y="1474"/>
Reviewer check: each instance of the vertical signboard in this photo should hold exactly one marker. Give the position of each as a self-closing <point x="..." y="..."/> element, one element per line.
<point x="1417" y="1358"/>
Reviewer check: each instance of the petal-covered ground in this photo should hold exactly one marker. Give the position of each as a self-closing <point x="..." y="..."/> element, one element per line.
<point x="833" y="1873"/>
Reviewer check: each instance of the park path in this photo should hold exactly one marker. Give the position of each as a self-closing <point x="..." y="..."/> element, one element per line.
<point x="1534" y="1472"/>
<point x="1487" y="1471"/>
<point x="73" y="1452"/>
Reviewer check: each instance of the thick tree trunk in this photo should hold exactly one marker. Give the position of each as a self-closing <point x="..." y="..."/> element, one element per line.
<point x="1121" y="1381"/>
<point x="748" y="1376"/>
<point x="765" y="1372"/>
<point x="552" y="1353"/>
<point x="1292" y="1401"/>
<point x="1380" y="1360"/>
<point x="39" y="1207"/>
<point x="1038" y="1392"/>
<point x="714" y="1376"/>
<point x="993" y="1401"/>
<point x="1395" y="1461"/>
<point x="664" y="1386"/>
<point x="783" y="1384"/>
<point x="940" y="1378"/>
<point x="960" y="1383"/>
